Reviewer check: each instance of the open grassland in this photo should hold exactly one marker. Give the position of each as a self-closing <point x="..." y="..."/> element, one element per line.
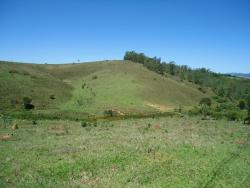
<point x="159" y="152"/>
<point x="93" y="87"/>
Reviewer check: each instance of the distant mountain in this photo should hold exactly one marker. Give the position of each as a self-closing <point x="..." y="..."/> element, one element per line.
<point x="247" y="75"/>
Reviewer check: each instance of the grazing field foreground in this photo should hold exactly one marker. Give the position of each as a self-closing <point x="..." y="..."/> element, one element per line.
<point x="160" y="152"/>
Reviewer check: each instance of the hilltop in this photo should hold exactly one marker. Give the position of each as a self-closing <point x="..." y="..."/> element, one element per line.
<point x="247" y="75"/>
<point x="94" y="87"/>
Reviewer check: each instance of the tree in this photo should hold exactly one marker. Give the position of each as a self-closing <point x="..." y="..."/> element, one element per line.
<point x="172" y="67"/>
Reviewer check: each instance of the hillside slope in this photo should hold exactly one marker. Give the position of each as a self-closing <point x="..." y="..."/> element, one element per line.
<point x="93" y="87"/>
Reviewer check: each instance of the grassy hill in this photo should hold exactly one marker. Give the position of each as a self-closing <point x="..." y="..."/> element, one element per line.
<point x="93" y="87"/>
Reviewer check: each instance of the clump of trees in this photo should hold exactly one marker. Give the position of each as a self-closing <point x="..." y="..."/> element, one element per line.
<point x="232" y="92"/>
<point x="223" y="85"/>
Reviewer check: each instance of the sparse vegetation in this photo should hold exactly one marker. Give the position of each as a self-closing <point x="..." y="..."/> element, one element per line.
<point x="134" y="153"/>
<point x="94" y="77"/>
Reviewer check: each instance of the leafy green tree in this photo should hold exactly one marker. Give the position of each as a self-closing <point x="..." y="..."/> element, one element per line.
<point x="172" y="67"/>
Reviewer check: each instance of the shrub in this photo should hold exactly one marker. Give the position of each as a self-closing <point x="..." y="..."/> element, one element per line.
<point x="94" y="77"/>
<point x="88" y="124"/>
<point x="221" y="100"/>
<point x="206" y="101"/>
<point x="201" y="89"/>
<point x="242" y="104"/>
<point x="12" y="71"/>
<point x="27" y="103"/>
<point x="216" y="115"/>
<point x="232" y="115"/>
<point x="205" y="110"/>
<point x="84" y="124"/>
<point x="52" y="97"/>
<point x="194" y="111"/>
<point x="247" y="119"/>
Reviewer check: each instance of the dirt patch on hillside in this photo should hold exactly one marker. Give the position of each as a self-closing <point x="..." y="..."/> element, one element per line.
<point x="161" y="108"/>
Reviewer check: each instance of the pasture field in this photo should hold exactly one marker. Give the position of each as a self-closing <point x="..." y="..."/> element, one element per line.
<point x="150" y="152"/>
<point x="93" y="88"/>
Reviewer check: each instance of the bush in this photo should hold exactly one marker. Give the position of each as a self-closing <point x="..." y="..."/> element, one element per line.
<point x="52" y="97"/>
<point x="194" y="111"/>
<point x="216" y="115"/>
<point x="205" y="110"/>
<point x="242" y="104"/>
<point x="27" y="103"/>
<point x="233" y="116"/>
<point x="94" y="77"/>
<point x="85" y="123"/>
<point x="13" y="71"/>
<point x="247" y="119"/>
<point x="206" y="101"/>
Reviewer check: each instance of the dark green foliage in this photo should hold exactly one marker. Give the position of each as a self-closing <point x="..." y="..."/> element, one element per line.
<point x="233" y="115"/>
<point x="153" y="64"/>
<point x="94" y="77"/>
<point x="206" y="101"/>
<point x="27" y="103"/>
<point x="85" y="124"/>
<point x="172" y="68"/>
<point x="13" y="71"/>
<point x="52" y="97"/>
<point x="242" y="104"/>
<point x="247" y="119"/>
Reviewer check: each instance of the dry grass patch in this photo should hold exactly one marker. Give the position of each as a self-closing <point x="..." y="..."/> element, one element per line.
<point x="58" y="129"/>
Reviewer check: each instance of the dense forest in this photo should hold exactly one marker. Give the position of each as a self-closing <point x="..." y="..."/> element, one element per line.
<point x="232" y="92"/>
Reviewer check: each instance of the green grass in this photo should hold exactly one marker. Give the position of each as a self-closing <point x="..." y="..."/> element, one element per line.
<point x="125" y="86"/>
<point x="183" y="152"/>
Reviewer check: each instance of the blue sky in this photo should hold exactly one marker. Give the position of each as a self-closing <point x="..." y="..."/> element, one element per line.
<point x="200" y="33"/>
